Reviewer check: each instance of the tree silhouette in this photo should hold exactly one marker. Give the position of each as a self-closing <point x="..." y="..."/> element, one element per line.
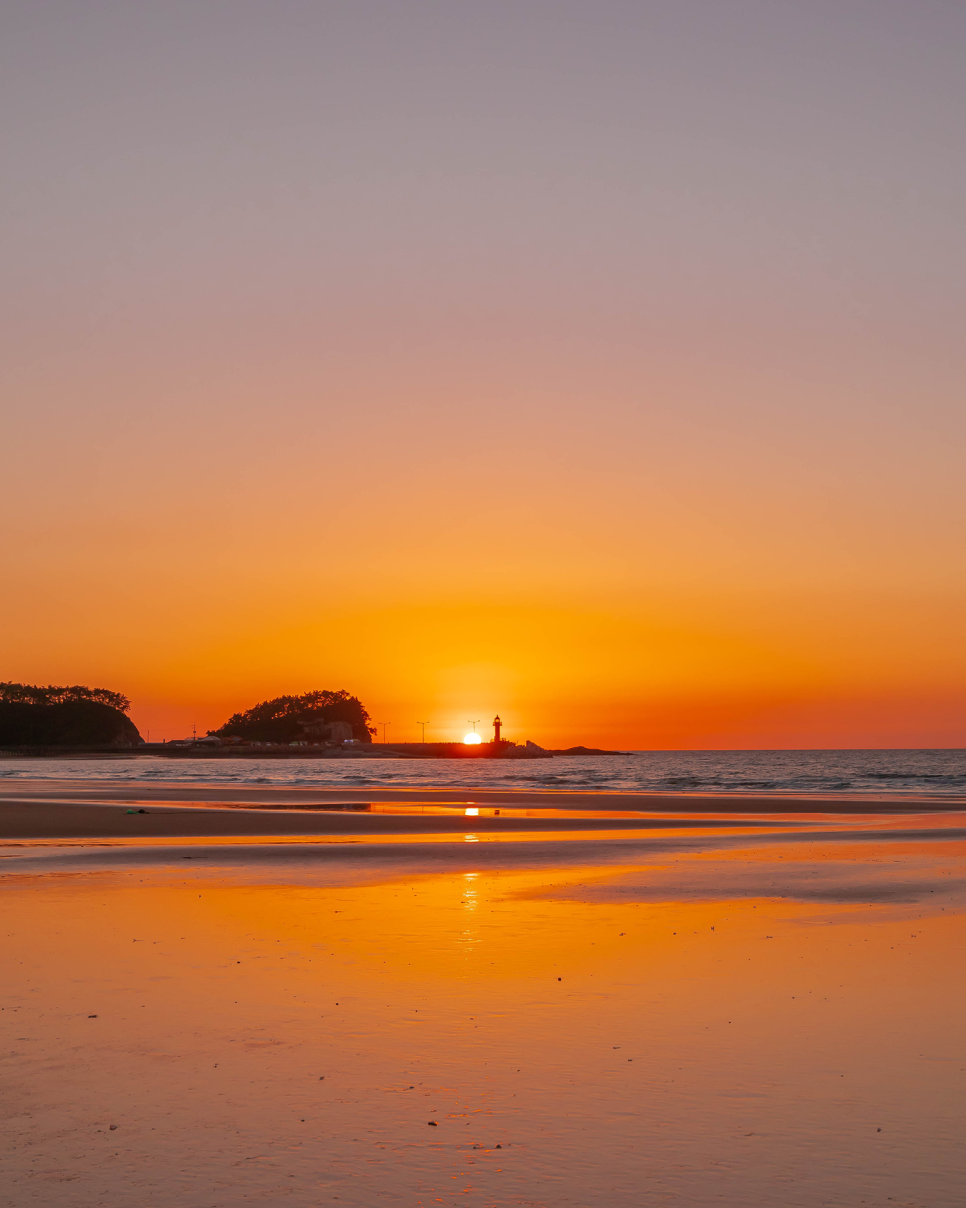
<point x="282" y="719"/>
<point x="33" y="694"/>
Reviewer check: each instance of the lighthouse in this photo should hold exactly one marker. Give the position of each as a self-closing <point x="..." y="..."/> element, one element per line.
<point x="496" y="728"/>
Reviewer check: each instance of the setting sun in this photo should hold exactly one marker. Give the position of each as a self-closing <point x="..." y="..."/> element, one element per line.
<point x="472" y="739"/>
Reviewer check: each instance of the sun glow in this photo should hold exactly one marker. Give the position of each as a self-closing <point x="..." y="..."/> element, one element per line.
<point x="472" y="739"/>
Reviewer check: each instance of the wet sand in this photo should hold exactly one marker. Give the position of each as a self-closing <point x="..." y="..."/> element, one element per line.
<point x="574" y="1007"/>
<point x="81" y="809"/>
<point x="56" y="820"/>
<point x="276" y="796"/>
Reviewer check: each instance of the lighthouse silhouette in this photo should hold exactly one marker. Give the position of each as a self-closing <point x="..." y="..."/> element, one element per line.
<point x="496" y="728"/>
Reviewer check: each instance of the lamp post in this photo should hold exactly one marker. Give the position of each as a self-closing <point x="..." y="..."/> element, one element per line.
<point x="423" y="724"/>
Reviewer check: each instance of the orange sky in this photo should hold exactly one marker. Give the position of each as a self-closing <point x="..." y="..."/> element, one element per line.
<point x="624" y="398"/>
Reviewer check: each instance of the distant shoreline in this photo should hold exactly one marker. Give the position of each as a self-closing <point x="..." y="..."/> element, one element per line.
<point x="415" y="750"/>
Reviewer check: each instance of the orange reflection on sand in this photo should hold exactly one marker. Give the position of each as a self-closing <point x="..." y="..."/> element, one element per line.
<point x="388" y="840"/>
<point x="272" y="1037"/>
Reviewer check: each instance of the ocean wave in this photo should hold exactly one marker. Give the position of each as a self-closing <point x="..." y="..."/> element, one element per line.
<point x="931" y="772"/>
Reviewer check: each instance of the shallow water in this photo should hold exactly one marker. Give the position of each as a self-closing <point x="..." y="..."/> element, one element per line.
<point x="933" y="772"/>
<point x="767" y="1017"/>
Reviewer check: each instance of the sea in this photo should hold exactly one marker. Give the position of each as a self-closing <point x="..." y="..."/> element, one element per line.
<point x="932" y="773"/>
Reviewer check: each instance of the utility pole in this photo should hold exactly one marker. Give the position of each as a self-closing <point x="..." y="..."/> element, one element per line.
<point x="423" y="724"/>
<point x="384" y="724"/>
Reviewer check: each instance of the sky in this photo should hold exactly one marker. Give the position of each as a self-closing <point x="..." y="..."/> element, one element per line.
<point x="597" y="364"/>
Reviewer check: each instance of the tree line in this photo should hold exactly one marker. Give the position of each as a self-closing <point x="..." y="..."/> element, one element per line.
<point x="33" y="694"/>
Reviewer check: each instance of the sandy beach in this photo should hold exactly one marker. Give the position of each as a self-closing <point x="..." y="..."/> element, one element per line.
<point x="49" y="809"/>
<point x="274" y="995"/>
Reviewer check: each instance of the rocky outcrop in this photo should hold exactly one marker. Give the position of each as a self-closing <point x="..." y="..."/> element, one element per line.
<point x="530" y="751"/>
<point x="587" y="751"/>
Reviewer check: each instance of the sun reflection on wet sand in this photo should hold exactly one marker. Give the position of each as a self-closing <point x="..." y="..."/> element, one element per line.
<point x="703" y="1027"/>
